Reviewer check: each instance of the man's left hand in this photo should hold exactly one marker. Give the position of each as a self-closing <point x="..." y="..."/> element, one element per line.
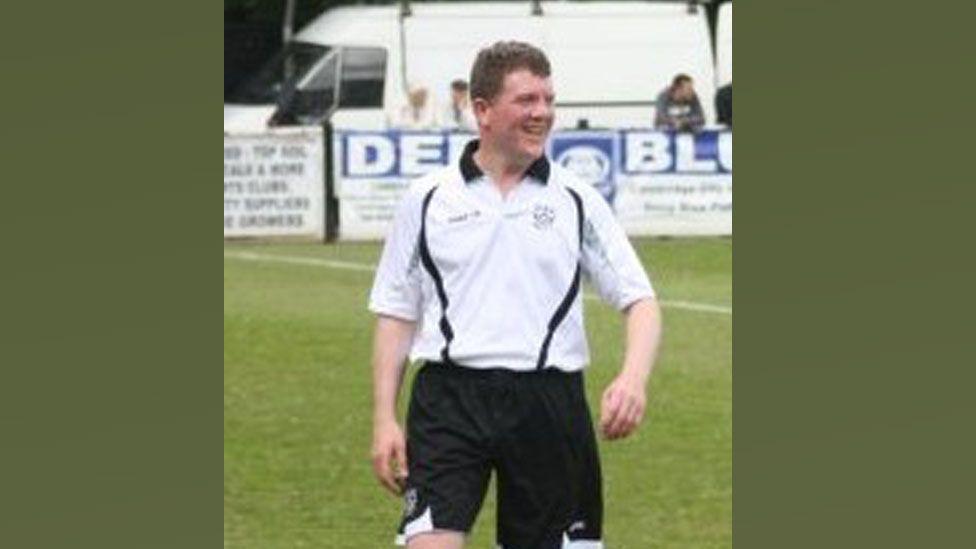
<point x="622" y="407"/>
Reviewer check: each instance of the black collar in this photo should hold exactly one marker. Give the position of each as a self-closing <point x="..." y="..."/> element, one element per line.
<point x="539" y="169"/>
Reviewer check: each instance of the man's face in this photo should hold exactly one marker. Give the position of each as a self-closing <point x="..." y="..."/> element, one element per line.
<point x="686" y="91"/>
<point x="517" y="122"/>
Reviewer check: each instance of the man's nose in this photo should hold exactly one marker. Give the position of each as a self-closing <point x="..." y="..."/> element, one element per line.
<point x="541" y="109"/>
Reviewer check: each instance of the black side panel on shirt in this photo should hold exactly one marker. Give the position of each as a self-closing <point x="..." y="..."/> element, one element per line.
<point x="428" y="263"/>
<point x="574" y="287"/>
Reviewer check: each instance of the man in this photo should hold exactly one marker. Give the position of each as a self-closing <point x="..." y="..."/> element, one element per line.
<point x="677" y="107"/>
<point x="480" y="279"/>
<point x="723" y="104"/>
<point x="457" y="113"/>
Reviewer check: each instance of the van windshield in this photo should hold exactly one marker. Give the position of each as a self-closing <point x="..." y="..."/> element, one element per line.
<point x="290" y="64"/>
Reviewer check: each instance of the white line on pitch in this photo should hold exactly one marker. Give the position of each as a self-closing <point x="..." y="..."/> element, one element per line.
<point x="349" y="266"/>
<point x="692" y="306"/>
<point x="298" y="260"/>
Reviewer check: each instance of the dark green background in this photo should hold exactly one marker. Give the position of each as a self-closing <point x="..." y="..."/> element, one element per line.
<point x="854" y="419"/>
<point x="853" y="426"/>
<point x="111" y="383"/>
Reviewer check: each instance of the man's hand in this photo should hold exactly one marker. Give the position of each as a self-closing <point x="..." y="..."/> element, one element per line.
<point x="390" y="456"/>
<point x="622" y="407"/>
<point x="624" y="400"/>
<point x="391" y="343"/>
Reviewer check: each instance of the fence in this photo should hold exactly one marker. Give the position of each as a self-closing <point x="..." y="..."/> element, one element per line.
<point x="287" y="182"/>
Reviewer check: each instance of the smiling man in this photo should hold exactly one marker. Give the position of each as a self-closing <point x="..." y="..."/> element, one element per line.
<point x="480" y="279"/>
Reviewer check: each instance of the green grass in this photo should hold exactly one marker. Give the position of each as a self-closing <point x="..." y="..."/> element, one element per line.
<point x="297" y="398"/>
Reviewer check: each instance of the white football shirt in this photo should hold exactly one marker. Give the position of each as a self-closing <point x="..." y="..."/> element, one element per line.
<point x="495" y="281"/>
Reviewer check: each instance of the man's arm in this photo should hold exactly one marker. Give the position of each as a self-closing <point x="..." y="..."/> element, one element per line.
<point x="391" y="344"/>
<point x="696" y="118"/>
<point x="624" y="400"/>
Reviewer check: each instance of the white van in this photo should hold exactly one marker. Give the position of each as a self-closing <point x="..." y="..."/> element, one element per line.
<point x="353" y="64"/>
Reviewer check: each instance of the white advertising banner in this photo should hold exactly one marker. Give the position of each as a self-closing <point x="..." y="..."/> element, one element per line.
<point x="274" y="183"/>
<point x="658" y="183"/>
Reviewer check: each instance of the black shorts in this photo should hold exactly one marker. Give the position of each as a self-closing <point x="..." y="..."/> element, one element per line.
<point x="532" y="428"/>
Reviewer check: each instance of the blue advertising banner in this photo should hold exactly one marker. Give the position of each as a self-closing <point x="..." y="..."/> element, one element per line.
<point x="659" y="183"/>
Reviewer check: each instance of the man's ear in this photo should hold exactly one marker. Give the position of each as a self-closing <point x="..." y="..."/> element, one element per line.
<point x="481" y="107"/>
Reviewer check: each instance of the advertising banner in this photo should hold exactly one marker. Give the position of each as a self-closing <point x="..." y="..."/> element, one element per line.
<point x="274" y="183"/>
<point x="658" y="183"/>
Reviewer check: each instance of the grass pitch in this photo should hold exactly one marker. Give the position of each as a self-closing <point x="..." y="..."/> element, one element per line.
<point x="297" y="404"/>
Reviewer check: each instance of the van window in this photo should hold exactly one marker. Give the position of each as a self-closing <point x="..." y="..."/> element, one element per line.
<point x="322" y="80"/>
<point x="362" y="80"/>
<point x="290" y="64"/>
<point x="315" y="95"/>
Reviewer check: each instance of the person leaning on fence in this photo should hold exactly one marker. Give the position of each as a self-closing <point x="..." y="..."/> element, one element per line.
<point x="678" y="108"/>
<point x="480" y="278"/>
<point x="418" y="112"/>
<point x="457" y="113"/>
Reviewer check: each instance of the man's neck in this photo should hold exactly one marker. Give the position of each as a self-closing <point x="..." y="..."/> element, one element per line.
<point x="504" y="173"/>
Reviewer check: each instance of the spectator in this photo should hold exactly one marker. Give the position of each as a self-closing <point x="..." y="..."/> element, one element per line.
<point x="457" y="114"/>
<point x="417" y="114"/>
<point x="723" y="104"/>
<point x="678" y="108"/>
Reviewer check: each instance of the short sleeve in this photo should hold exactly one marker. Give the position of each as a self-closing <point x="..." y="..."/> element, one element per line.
<point x="608" y="258"/>
<point x="397" y="286"/>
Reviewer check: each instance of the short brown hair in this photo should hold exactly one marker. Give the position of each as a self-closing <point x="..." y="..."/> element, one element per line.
<point x="680" y="79"/>
<point x="501" y="58"/>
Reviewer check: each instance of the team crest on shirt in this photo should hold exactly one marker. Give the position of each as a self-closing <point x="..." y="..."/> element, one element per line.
<point x="543" y="216"/>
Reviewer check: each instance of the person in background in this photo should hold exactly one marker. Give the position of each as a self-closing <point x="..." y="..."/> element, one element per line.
<point x="677" y="107"/>
<point x="457" y="113"/>
<point x="417" y="114"/>
<point x="723" y="104"/>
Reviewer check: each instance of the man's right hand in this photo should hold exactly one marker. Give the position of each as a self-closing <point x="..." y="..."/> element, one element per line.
<point x="390" y="456"/>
